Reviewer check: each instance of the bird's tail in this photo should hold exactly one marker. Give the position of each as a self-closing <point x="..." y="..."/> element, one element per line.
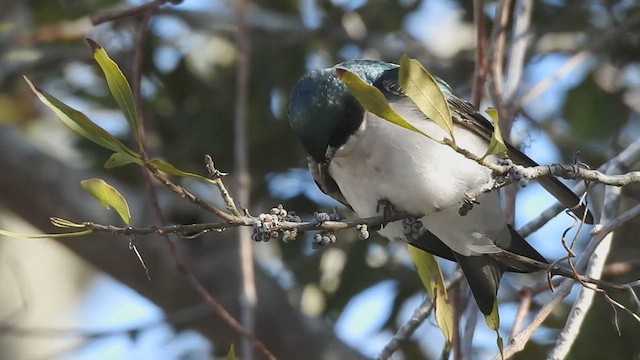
<point x="483" y="272"/>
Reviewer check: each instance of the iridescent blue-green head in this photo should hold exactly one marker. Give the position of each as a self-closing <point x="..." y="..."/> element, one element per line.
<point x="322" y="111"/>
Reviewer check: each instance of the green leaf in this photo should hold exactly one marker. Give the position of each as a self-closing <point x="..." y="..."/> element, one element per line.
<point x="373" y="100"/>
<point x="172" y="170"/>
<point x="493" y="322"/>
<point x="231" y="355"/>
<point x="44" y="236"/>
<point x="64" y="223"/>
<point x="79" y="122"/>
<point x="121" y="159"/>
<point x="431" y="277"/>
<point x="108" y="196"/>
<point x="118" y="85"/>
<point x="423" y="90"/>
<point x="496" y="145"/>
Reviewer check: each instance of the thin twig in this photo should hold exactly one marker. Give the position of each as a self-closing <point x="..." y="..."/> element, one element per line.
<point x="248" y="298"/>
<point x="147" y="11"/>
<point x="480" y="70"/>
<point x="526" y="296"/>
<point x="407" y="329"/>
<point x="132" y="11"/>
<point x="576" y="60"/>
<point x="216" y="176"/>
<point x="519" y="44"/>
<point x="585" y="297"/>
<point x="519" y="341"/>
<point x="497" y="50"/>
<point x="619" y="163"/>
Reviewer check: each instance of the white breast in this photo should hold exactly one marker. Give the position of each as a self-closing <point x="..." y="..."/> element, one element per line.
<point x="415" y="174"/>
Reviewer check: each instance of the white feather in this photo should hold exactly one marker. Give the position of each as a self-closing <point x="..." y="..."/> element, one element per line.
<point x="418" y="175"/>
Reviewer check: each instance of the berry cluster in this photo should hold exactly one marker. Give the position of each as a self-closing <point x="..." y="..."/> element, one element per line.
<point x="363" y="231"/>
<point x="266" y="228"/>
<point x="412" y="228"/>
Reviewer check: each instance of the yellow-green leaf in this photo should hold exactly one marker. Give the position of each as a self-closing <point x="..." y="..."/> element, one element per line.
<point x="372" y="100"/>
<point x="231" y="355"/>
<point x="172" y="170"/>
<point x="493" y="322"/>
<point x="118" y="85"/>
<point x="433" y="281"/>
<point x="120" y="159"/>
<point x="496" y="145"/>
<point x="108" y="196"/>
<point x="79" y="122"/>
<point x="44" y="236"/>
<point x="423" y="90"/>
<point x="64" y="223"/>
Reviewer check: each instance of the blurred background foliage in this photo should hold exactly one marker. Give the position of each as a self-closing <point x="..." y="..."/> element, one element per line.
<point x="189" y="91"/>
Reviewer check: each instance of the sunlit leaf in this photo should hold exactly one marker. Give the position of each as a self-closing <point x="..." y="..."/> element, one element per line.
<point x="372" y="100"/>
<point x="172" y="170"/>
<point x="64" y="223"/>
<point x="120" y="159"/>
<point x="231" y="355"/>
<point x="117" y="83"/>
<point x="496" y="145"/>
<point x="433" y="281"/>
<point x="108" y="196"/>
<point x="493" y="322"/>
<point x="423" y="90"/>
<point x="79" y="122"/>
<point x="44" y="236"/>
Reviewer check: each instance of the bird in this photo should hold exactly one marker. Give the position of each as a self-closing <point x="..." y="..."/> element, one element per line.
<point x="364" y="161"/>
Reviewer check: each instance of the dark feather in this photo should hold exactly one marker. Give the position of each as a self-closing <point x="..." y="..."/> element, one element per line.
<point x="483" y="274"/>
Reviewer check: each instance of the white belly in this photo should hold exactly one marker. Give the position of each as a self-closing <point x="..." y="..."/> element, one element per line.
<point x="417" y="175"/>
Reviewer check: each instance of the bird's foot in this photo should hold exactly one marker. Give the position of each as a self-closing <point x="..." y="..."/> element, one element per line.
<point x="467" y="205"/>
<point x="515" y="174"/>
<point x="321" y="217"/>
<point x="386" y="209"/>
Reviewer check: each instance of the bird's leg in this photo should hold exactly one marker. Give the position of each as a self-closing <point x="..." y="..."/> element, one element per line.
<point x="467" y="204"/>
<point x="386" y="209"/>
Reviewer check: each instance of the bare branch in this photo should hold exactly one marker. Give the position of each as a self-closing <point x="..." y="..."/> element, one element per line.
<point x="480" y="71"/>
<point x="132" y="11"/>
<point x="583" y="302"/>
<point x="520" y="340"/>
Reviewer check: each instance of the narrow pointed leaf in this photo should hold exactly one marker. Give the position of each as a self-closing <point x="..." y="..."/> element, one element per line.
<point x="79" y="122"/>
<point x="496" y="145"/>
<point x="231" y="355"/>
<point x="372" y="100"/>
<point x="108" y="196"/>
<point x="117" y="83"/>
<point x="493" y="322"/>
<point x="172" y="170"/>
<point x="44" y="236"/>
<point x="433" y="281"/>
<point x="64" y="223"/>
<point x="422" y="88"/>
<point x="120" y="159"/>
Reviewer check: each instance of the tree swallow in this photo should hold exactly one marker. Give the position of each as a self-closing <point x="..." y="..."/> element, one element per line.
<point x="362" y="160"/>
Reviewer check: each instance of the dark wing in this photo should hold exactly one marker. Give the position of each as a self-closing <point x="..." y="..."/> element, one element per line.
<point x="465" y="115"/>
